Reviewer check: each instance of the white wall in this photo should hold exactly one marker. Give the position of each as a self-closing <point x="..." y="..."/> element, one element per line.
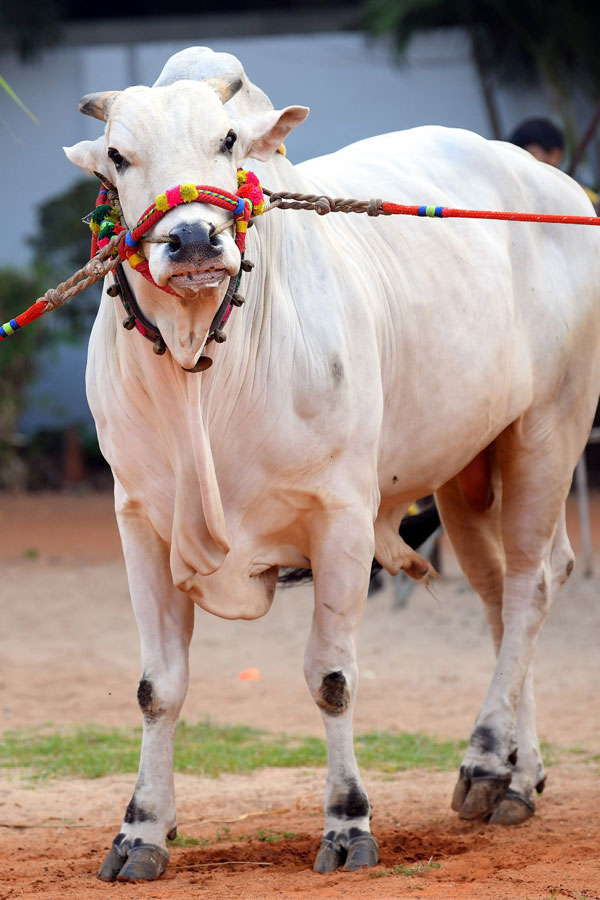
<point x="351" y="84"/>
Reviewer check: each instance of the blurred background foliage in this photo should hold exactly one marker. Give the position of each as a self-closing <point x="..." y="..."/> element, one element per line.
<point x="60" y="245"/>
<point x="515" y="43"/>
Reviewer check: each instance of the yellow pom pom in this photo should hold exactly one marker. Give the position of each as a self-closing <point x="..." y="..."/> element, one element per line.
<point x="95" y="227"/>
<point x="161" y="203"/>
<point x="188" y="192"/>
<point x="241" y="176"/>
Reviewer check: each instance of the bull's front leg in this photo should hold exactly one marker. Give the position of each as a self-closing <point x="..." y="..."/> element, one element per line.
<point x="341" y="564"/>
<point x="165" y="619"/>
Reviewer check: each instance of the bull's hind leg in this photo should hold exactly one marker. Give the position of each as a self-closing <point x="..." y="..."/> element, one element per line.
<point x="341" y="567"/>
<point x="165" y="619"/>
<point x="503" y="765"/>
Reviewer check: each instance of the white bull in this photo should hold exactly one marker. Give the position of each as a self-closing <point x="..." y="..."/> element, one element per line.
<point x="375" y="361"/>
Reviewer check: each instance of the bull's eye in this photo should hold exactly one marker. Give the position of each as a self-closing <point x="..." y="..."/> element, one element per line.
<point x="229" y="140"/>
<point x="119" y="161"/>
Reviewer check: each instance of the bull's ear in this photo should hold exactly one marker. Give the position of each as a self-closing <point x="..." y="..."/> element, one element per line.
<point x="88" y="155"/>
<point x="263" y="134"/>
<point x="226" y="86"/>
<point x="98" y="105"/>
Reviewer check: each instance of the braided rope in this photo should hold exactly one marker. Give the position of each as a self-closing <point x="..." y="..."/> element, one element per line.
<point x="95" y="269"/>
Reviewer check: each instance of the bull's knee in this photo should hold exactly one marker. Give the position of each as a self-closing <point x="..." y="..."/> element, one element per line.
<point x="148" y="701"/>
<point x="333" y="696"/>
<point x="159" y="696"/>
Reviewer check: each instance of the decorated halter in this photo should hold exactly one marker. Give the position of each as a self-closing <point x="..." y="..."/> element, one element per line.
<point x="105" y="220"/>
<point x="105" y="223"/>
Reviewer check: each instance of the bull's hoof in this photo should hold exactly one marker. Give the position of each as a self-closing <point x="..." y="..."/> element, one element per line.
<point x="513" y="810"/>
<point x="145" y="863"/>
<point x="112" y="865"/>
<point x="338" y="850"/>
<point x="138" y="862"/>
<point x="362" y="851"/>
<point x="460" y="792"/>
<point x="477" y="798"/>
<point x="329" y="858"/>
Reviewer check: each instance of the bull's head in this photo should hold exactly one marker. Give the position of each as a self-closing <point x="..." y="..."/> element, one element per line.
<point x="156" y="138"/>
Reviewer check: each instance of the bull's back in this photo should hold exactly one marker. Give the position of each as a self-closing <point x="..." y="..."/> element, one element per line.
<point x="477" y="321"/>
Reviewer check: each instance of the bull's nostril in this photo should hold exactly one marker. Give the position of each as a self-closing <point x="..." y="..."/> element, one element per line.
<point x="192" y="241"/>
<point x="174" y="243"/>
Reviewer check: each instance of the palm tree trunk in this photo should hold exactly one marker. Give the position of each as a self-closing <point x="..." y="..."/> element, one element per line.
<point x="583" y="144"/>
<point x="487" y="87"/>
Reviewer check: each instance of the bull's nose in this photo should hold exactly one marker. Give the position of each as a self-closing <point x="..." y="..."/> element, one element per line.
<point x="195" y="241"/>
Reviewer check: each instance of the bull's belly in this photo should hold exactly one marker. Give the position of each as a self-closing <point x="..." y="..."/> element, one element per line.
<point x="419" y="456"/>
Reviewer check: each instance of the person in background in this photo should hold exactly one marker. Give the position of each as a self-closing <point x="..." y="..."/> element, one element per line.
<point x="544" y="140"/>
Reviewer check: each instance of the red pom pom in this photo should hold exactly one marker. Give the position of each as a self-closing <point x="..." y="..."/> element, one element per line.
<point x="256" y="195"/>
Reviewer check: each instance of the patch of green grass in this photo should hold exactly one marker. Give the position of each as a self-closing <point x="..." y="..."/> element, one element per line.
<point x="270" y="836"/>
<point x="87" y="752"/>
<point x="31" y="553"/>
<point x="202" y="749"/>
<point x="397" y="751"/>
<point x="209" y="749"/>
<point x="408" y="871"/>
<point x="184" y="840"/>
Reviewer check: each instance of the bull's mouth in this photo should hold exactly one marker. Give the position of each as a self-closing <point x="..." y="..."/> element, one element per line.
<point x="192" y="282"/>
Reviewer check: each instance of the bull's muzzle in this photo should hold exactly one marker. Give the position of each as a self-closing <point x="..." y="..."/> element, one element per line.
<point x="194" y="243"/>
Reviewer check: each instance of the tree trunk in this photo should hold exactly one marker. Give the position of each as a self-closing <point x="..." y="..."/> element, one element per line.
<point x="486" y="82"/>
<point x="583" y="144"/>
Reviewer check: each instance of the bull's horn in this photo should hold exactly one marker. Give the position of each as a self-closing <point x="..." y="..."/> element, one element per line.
<point x="226" y="86"/>
<point x="98" y="105"/>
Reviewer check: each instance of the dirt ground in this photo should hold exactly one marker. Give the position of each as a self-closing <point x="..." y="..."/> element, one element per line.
<point x="68" y="654"/>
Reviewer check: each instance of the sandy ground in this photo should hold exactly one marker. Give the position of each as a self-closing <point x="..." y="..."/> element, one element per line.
<point x="69" y="654"/>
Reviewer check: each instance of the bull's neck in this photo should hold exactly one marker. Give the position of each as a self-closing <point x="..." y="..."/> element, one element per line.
<point x="248" y="357"/>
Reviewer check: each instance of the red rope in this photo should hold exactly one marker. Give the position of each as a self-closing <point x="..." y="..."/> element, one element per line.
<point x="446" y="212"/>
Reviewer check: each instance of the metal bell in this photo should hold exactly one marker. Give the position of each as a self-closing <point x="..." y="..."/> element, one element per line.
<point x="159" y="347"/>
<point x="238" y="300"/>
<point x="129" y="323"/>
<point x="219" y="336"/>
<point x="247" y="265"/>
<point x="113" y="290"/>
